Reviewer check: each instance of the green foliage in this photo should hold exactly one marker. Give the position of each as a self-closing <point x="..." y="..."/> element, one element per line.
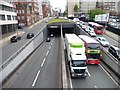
<point x="94" y="12"/>
<point x="58" y="20"/>
<point x="76" y="9"/>
<point x="65" y="13"/>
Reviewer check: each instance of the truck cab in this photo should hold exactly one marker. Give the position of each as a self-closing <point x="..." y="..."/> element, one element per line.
<point x="78" y="65"/>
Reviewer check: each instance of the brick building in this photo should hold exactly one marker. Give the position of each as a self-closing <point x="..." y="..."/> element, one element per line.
<point x="46" y="8"/>
<point x="27" y="11"/>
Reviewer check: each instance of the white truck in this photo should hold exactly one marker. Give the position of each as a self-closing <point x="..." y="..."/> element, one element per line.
<point x="76" y="56"/>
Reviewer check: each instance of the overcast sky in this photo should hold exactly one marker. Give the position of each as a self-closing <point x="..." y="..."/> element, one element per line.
<point x="57" y="3"/>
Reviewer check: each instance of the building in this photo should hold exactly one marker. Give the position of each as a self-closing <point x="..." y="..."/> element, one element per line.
<point x="70" y="6"/>
<point x="46" y="8"/>
<point x="27" y="11"/>
<point x="8" y="16"/>
<point x="86" y="5"/>
<point x="40" y="9"/>
<point x="111" y="6"/>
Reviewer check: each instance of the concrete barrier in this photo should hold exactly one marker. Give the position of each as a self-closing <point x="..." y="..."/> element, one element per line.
<point x="111" y="62"/>
<point x="16" y="59"/>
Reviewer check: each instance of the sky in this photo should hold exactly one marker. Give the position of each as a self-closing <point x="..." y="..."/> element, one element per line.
<point x="58" y="3"/>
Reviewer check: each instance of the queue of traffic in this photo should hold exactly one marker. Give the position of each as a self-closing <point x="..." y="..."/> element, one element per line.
<point x="83" y="50"/>
<point x="93" y="29"/>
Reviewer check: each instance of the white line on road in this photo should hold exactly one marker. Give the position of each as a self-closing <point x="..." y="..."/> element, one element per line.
<point x="47" y="52"/>
<point x="36" y="78"/>
<point x="109" y="75"/>
<point x="43" y="62"/>
<point x="51" y="44"/>
<point x="49" y="47"/>
<point x="88" y="73"/>
<point x="95" y="86"/>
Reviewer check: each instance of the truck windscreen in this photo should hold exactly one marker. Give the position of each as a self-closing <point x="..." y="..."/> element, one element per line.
<point x="79" y="63"/>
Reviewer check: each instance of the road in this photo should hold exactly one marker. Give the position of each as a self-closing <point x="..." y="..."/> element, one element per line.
<point x="10" y="48"/>
<point x="97" y="76"/>
<point x="97" y="79"/>
<point x="42" y="69"/>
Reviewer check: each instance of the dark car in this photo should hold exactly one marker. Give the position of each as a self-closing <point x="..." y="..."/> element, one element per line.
<point x="48" y="39"/>
<point x="30" y="35"/>
<point x="115" y="51"/>
<point x="20" y="27"/>
<point x="15" y="38"/>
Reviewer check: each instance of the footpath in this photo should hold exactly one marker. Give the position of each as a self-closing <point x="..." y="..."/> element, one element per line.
<point x="113" y="35"/>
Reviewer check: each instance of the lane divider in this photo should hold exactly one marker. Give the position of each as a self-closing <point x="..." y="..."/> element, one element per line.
<point x="88" y="73"/>
<point x="95" y="86"/>
<point x="43" y="62"/>
<point x="35" y="79"/>
<point x="34" y="82"/>
<point x="47" y="53"/>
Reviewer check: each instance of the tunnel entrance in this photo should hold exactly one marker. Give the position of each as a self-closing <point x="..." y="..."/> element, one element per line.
<point x="55" y="29"/>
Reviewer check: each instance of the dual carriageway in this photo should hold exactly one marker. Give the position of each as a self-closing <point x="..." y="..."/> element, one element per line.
<point x="43" y="68"/>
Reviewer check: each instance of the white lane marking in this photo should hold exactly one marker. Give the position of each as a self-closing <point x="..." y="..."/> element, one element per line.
<point x="51" y="44"/>
<point x="49" y="47"/>
<point x="95" y="86"/>
<point x="88" y="73"/>
<point x="43" y="62"/>
<point x="36" y="78"/>
<point x="109" y="75"/>
<point x="47" y="52"/>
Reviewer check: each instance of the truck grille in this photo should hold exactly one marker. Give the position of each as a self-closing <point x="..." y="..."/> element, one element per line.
<point x="79" y="70"/>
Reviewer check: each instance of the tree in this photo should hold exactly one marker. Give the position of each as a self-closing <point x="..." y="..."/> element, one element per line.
<point x="94" y="12"/>
<point x="76" y="9"/>
<point x="65" y="13"/>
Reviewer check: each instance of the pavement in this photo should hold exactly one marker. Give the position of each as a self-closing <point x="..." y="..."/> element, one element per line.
<point x="112" y="35"/>
<point x="5" y="39"/>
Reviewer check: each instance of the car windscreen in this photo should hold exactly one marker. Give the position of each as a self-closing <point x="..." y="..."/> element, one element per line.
<point x="79" y="63"/>
<point x="99" y="28"/>
<point x="93" y="46"/>
<point x="118" y="52"/>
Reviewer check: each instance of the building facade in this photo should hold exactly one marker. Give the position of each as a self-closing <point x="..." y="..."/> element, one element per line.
<point x="40" y="9"/>
<point x="8" y="22"/>
<point x="86" y="5"/>
<point x="27" y="11"/>
<point x="46" y="8"/>
<point x="111" y="6"/>
<point x="70" y="6"/>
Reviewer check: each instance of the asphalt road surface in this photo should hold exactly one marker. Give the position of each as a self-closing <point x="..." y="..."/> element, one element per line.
<point x="10" y="48"/>
<point x="42" y="70"/>
<point x="97" y="78"/>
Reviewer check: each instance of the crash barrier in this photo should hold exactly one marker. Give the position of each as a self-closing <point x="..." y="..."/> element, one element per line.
<point x="18" y="57"/>
<point x="114" y="30"/>
<point x="110" y="61"/>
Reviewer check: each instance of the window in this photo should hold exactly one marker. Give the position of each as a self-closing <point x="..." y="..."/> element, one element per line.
<point x="0" y="7"/>
<point x="18" y="17"/>
<point x="23" y="11"/>
<point x="93" y="56"/>
<point x="77" y="63"/>
<point x="8" y="17"/>
<point x="93" y="46"/>
<point x="22" y="17"/>
<point x="2" y="17"/>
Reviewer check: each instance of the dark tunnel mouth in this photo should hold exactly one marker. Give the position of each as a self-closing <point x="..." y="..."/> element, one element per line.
<point x="57" y="31"/>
